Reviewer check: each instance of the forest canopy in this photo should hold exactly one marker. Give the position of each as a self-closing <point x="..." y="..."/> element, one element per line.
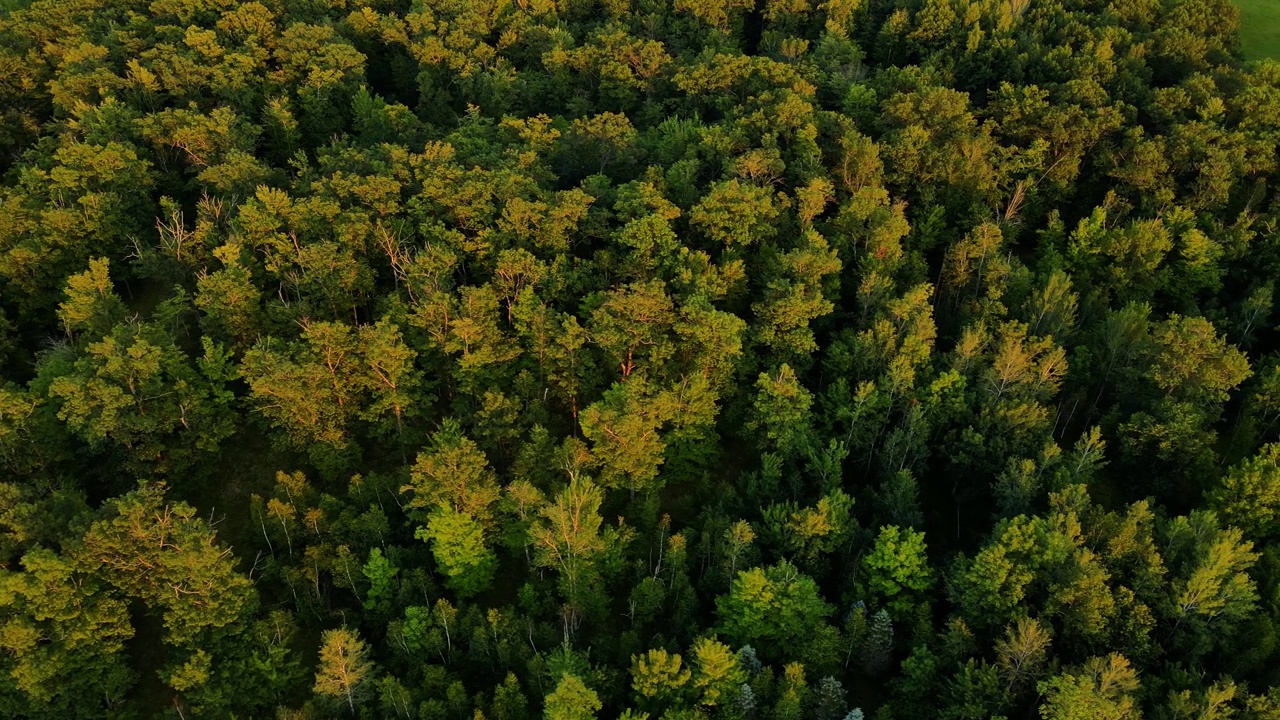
<point x="643" y="359"/>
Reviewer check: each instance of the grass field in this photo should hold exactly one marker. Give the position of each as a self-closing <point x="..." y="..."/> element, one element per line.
<point x="1260" y="28"/>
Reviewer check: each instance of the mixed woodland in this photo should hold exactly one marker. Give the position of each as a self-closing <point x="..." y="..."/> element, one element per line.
<point x="638" y="359"/>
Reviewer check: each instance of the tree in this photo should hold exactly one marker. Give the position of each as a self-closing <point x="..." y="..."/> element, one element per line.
<point x="77" y="191"/>
<point x="1193" y="362"/>
<point x="633" y="326"/>
<point x="159" y="552"/>
<point x="990" y="586"/>
<point x="64" y="640"/>
<point x="782" y="411"/>
<point x="897" y="569"/>
<point x="1022" y="367"/>
<point x="231" y="305"/>
<point x="572" y="700"/>
<point x="624" y="429"/>
<point x="344" y="666"/>
<point x="935" y="147"/>
<point x="793" y="693"/>
<point x="92" y="305"/>
<point x="475" y="334"/>
<point x="717" y="671"/>
<point x="1022" y="651"/>
<point x="381" y="574"/>
<point x="1248" y="496"/>
<point x="831" y="700"/>
<point x="307" y="389"/>
<point x="716" y="13"/>
<point x="735" y="214"/>
<point x="737" y="541"/>
<point x="1124" y="259"/>
<point x="657" y="675"/>
<point x="795" y="297"/>
<point x="1214" y="702"/>
<point x="1103" y="688"/>
<point x="1211" y="568"/>
<point x="567" y="535"/>
<point x="777" y="604"/>
<point x="457" y="542"/>
<point x="136" y="390"/>
<point x="897" y="500"/>
<point x="453" y="472"/>
<point x="1051" y="311"/>
<point x="509" y="701"/>
<point x="878" y="643"/>
<point x="813" y="531"/>
<point x="391" y="377"/>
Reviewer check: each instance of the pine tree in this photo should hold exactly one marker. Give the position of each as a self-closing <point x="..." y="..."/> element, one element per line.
<point x="878" y="644"/>
<point x="831" y="702"/>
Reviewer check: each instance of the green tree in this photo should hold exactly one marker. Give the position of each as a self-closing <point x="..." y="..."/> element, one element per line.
<point x="1248" y="496"/>
<point x="1195" y="363"/>
<point x="314" y="390"/>
<point x="897" y="569"/>
<point x="134" y="389"/>
<point x="159" y="552"/>
<point x="457" y="542"/>
<point x="813" y="531"/>
<point x="453" y="472"/>
<point x="567" y="535"/>
<point x="633" y="326"/>
<point x="716" y="671"/>
<point x="572" y="700"/>
<point x="624" y="428"/>
<point x="92" y="305"/>
<point x="796" y="297"/>
<point x="381" y="574"/>
<point x="307" y="389"/>
<point x="781" y="411"/>
<point x="1211" y="568"/>
<point x="64" y="640"/>
<point x="735" y="214"/>
<point x="777" y="604"/>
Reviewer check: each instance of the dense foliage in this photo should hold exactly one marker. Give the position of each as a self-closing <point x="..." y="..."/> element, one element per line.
<point x="664" y="359"/>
